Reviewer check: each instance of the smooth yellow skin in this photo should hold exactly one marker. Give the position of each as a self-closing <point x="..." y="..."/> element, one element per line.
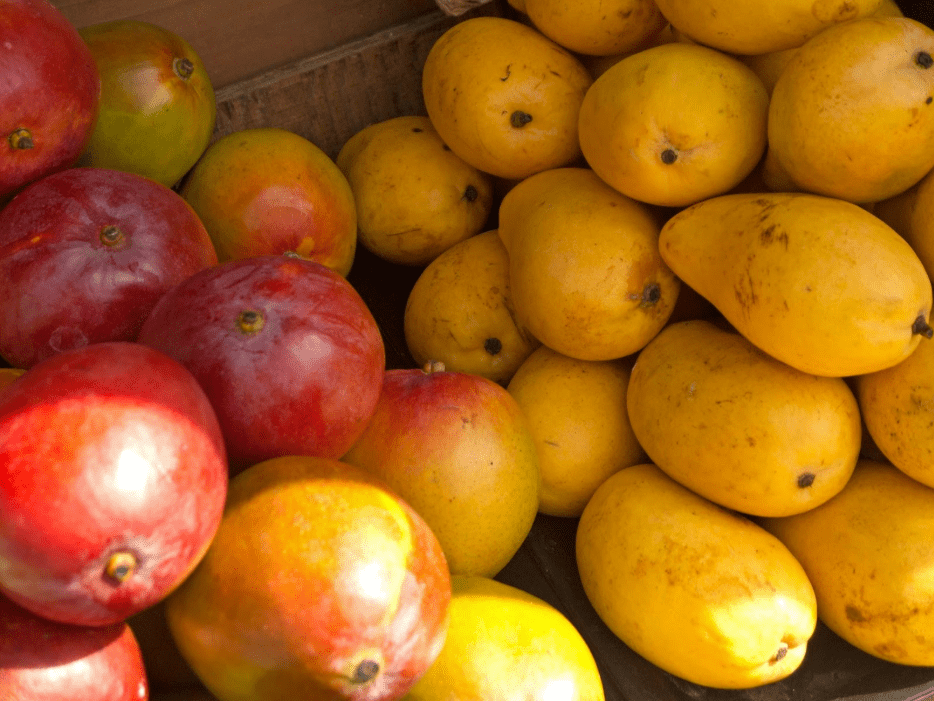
<point x="483" y="71"/>
<point x="739" y="427"/>
<point x="585" y="273"/>
<point x="768" y="66"/>
<point x="504" y="644"/>
<point x="415" y="198"/>
<point x="753" y="27"/>
<point x="896" y="405"/>
<point x="576" y="411"/>
<point x="911" y="214"/>
<point x="459" y="312"/>
<point x="869" y="556"/>
<point x="674" y="124"/>
<point x="818" y="283"/>
<point x="851" y="116"/>
<point x="697" y="590"/>
<point x="596" y="27"/>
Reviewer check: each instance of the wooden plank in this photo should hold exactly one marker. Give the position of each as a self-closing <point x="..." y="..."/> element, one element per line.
<point x="237" y="39"/>
<point x="330" y="96"/>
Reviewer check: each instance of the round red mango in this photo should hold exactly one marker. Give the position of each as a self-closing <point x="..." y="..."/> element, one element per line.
<point x="270" y="191"/>
<point x="286" y="349"/>
<point x="49" y="92"/>
<point x="84" y="256"/>
<point x="112" y="482"/>
<point x="42" y="660"/>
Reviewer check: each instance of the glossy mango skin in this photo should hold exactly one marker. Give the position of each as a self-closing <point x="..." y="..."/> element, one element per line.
<point x="703" y="593"/>
<point x="321" y="583"/>
<point x="457" y="447"/>
<point x="49" y="93"/>
<point x="155" y="118"/>
<point x="739" y="427"/>
<point x="674" y="124"/>
<point x="869" y="556"/>
<point x="816" y="282"/>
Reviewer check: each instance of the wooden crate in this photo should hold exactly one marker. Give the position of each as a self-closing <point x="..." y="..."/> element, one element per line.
<point x="368" y="71"/>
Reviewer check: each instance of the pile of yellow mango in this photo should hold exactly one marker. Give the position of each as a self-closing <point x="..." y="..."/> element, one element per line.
<point x="709" y="289"/>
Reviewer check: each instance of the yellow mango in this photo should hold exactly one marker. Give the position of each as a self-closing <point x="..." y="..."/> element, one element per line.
<point x="505" y="644"/>
<point x="576" y="411"/>
<point x="702" y="592"/>
<point x="897" y="405"/>
<point x="504" y="97"/>
<point x="852" y="114"/>
<point x="414" y="197"/>
<point x="674" y="124"/>
<point x="869" y="555"/>
<point x="459" y="312"/>
<point x="754" y="27"/>
<point x="818" y="283"/>
<point x="911" y="214"/>
<point x="595" y="27"/>
<point x="739" y="427"/>
<point x="585" y="274"/>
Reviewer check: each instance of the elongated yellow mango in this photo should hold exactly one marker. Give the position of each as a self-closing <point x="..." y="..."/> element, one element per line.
<point x="816" y="282"/>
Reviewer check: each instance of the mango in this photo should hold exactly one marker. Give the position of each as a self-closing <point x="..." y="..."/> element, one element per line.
<point x="818" y="283"/>
<point x="698" y="590"/>
<point x="585" y="275"/>
<point x="739" y="427"/>
<point x="896" y="405"/>
<point x="869" y="556"/>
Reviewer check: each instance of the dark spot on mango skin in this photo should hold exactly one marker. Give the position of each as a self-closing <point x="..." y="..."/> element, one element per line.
<point x="854" y="614"/>
<point x="772" y="234"/>
<point x="806" y="479"/>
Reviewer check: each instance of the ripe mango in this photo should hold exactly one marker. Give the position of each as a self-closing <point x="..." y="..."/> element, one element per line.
<point x="869" y="555"/>
<point x="816" y="282"/>
<point x="896" y="405"/>
<point x="702" y="592"/>
<point x="739" y="427"/>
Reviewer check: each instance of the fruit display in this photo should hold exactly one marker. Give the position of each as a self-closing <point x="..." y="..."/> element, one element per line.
<point x="602" y="372"/>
